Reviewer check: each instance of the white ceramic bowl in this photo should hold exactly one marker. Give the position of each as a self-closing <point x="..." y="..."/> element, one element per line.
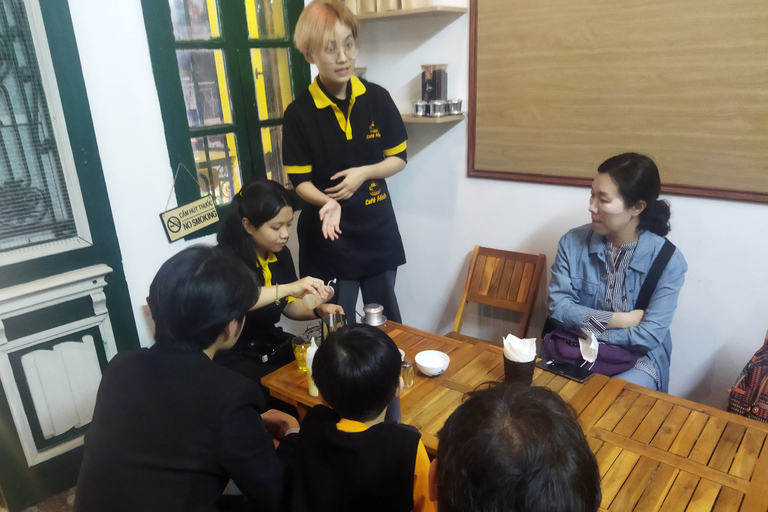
<point x="432" y="362"/>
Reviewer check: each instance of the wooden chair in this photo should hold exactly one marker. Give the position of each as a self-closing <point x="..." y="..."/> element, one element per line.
<point x="504" y="279"/>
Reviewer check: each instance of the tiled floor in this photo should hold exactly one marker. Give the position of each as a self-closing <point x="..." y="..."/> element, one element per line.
<point x="63" y="502"/>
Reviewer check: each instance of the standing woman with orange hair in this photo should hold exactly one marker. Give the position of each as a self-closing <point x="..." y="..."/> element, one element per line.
<point x="341" y="139"/>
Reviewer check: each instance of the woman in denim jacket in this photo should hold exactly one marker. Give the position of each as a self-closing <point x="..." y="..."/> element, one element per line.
<point x="601" y="266"/>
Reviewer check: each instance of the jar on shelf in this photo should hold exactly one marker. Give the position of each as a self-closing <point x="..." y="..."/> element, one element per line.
<point x="352" y="5"/>
<point x="434" y="82"/>
<point x="386" y="5"/>
<point x="366" y="6"/>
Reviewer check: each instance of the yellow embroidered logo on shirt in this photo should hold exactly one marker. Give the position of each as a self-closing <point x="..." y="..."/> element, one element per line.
<point x="373" y="132"/>
<point x="376" y="194"/>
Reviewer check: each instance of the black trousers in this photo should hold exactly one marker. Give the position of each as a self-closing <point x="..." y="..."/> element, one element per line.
<point x="376" y="289"/>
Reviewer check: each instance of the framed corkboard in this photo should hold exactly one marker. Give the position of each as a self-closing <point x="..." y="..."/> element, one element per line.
<point x="557" y="87"/>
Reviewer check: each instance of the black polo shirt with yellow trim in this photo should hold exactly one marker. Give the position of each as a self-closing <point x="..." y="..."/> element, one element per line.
<point x="320" y="140"/>
<point x="261" y="324"/>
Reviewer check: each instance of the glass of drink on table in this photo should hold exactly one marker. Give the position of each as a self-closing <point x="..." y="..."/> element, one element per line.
<point x="300" y="345"/>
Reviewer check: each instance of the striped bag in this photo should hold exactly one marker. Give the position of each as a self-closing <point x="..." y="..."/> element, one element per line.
<point x="749" y="396"/>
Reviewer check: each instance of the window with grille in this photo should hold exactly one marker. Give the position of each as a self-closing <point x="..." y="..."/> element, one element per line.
<point x="225" y="71"/>
<point x="41" y="208"/>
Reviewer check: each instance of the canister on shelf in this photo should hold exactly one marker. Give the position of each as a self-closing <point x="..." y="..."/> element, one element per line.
<point x="420" y="108"/>
<point x="366" y="6"/>
<point x="386" y="5"/>
<point x="434" y="82"/>
<point x="438" y="108"/>
<point x="454" y="107"/>
<point x="352" y="5"/>
<point x="420" y="4"/>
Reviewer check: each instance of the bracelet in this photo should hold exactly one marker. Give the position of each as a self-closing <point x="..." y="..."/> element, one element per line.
<point x="277" y="296"/>
<point x="317" y="315"/>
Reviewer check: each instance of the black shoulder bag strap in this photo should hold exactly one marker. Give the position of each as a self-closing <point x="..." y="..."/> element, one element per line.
<point x="658" y="266"/>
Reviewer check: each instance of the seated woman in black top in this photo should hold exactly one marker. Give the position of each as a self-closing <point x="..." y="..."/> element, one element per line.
<point x="256" y="230"/>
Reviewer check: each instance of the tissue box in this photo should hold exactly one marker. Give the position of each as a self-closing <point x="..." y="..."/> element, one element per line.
<point x="386" y="5"/>
<point x="419" y="4"/>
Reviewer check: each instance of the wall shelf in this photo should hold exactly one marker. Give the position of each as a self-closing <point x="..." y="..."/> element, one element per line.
<point x="410" y="118"/>
<point x="422" y="11"/>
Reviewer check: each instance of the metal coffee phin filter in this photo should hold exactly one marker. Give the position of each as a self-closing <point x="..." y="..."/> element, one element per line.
<point x="373" y="314"/>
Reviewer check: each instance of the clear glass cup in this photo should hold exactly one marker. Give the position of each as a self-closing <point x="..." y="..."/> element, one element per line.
<point x="300" y="346"/>
<point x="406" y="372"/>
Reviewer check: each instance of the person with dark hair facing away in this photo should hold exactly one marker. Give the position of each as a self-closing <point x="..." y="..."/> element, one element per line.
<point x="600" y="268"/>
<point x="170" y="428"/>
<point x="256" y="231"/>
<point x="347" y="458"/>
<point x="514" y="448"/>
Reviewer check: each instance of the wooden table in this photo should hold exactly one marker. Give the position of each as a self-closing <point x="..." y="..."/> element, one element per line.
<point x="655" y="451"/>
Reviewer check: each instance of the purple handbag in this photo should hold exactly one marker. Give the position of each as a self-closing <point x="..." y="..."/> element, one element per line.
<point x="563" y="347"/>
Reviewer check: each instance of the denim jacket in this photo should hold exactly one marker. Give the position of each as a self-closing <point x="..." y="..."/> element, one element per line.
<point x="578" y="284"/>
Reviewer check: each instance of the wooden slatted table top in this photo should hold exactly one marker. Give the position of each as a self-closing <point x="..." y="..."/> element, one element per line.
<point x="656" y="452"/>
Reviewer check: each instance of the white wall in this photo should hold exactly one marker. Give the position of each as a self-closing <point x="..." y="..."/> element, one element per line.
<point x="721" y="318"/>
<point x="114" y="55"/>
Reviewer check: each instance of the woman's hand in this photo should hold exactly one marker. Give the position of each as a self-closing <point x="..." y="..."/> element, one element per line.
<point x="329" y="309"/>
<point x="353" y="178"/>
<point x="307" y="285"/>
<point x="330" y="214"/>
<point x="277" y="423"/>
<point x="303" y="310"/>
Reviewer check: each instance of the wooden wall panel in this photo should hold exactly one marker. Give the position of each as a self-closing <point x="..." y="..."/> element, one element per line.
<point x="559" y="86"/>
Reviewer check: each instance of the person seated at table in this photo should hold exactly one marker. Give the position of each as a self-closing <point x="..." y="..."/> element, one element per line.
<point x="600" y="268"/>
<point x="347" y="458"/>
<point x="170" y="428"/>
<point x="517" y="448"/>
<point x="256" y="230"/>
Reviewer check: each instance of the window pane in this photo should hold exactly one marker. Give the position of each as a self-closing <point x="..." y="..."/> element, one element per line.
<point x="206" y="92"/>
<point x="265" y="19"/>
<point x="272" y="75"/>
<point x="194" y="19"/>
<point x="218" y="167"/>
<point x="272" y="141"/>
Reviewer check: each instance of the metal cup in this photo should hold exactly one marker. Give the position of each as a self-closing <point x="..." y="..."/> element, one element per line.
<point x="332" y="323"/>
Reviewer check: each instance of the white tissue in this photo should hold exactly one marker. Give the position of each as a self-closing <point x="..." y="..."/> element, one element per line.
<point x="519" y="350"/>
<point x="589" y="348"/>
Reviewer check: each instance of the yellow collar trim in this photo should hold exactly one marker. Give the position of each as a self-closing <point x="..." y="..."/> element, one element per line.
<point x="271" y="258"/>
<point x="346" y="425"/>
<point x="264" y="264"/>
<point x="322" y="101"/>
